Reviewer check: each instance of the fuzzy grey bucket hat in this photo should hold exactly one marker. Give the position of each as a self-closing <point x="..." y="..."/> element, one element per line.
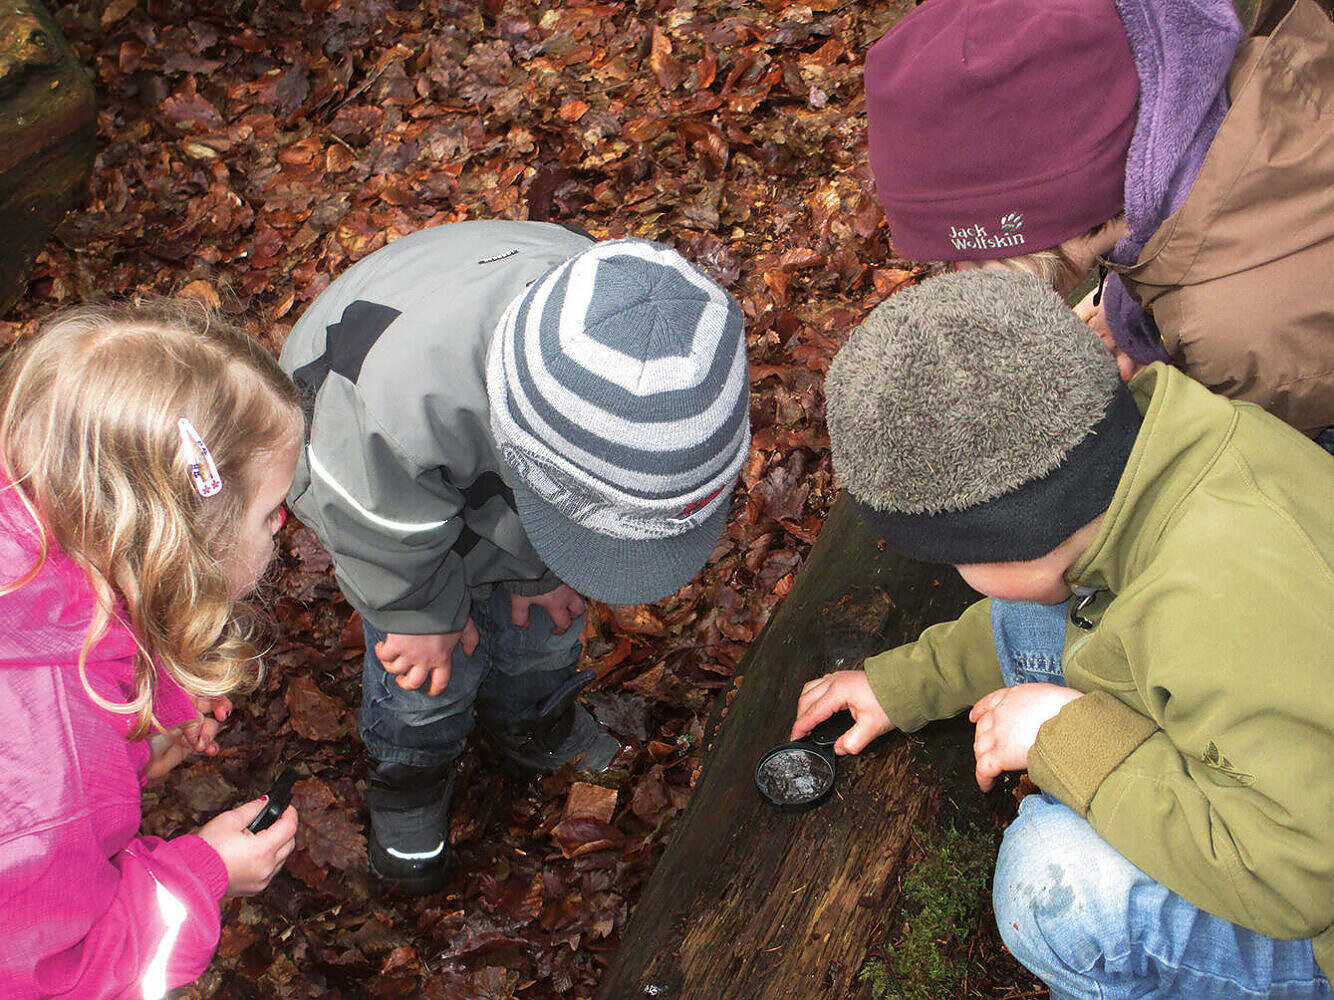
<point x="976" y="418"/>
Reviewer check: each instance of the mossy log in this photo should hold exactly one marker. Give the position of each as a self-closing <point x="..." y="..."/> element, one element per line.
<point x="751" y="902"/>
<point x="47" y="136"/>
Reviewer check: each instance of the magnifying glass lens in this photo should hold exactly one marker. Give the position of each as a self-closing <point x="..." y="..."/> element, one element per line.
<point x="794" y="776"/>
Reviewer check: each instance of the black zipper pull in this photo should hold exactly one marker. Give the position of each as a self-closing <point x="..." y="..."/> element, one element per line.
<point x="1079" y="607"/>
<point x="1102" y="280"/>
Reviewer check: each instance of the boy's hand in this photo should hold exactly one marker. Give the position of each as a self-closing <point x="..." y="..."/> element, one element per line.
<point x="1008" y="721"/>
<point x="173" y="746"/>
<point x="563" y="604"/>
<point x="848" y="689"/>
<point x="414" y="658"/>
<point x="252" y="859"/>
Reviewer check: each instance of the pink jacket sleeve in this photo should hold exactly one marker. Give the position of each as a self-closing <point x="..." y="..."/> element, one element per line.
<point x="77" y="924"/>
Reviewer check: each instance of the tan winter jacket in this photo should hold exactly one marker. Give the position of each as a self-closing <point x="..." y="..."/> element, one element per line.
<point x="1203" y="746"/>
<point x="1240" y="279"/>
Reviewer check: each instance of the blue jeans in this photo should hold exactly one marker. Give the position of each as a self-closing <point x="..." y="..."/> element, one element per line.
<point x="505" y="679"/>
<point x="1088" y="922"/>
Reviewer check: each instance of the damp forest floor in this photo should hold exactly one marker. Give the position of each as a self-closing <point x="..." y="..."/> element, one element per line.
<point x="248" y="153"/>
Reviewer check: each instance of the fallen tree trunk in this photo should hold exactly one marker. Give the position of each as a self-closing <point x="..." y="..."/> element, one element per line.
<point x="751" y="902"/>
<point x="47" y="138"/>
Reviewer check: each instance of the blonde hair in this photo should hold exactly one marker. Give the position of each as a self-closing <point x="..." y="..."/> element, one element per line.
<point x="1055" y="266"/>
<point x="88" y="434"/>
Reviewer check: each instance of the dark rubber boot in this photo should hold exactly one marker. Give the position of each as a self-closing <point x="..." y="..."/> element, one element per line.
<point x="409" y="809"/>
<point x="560" y="731"/>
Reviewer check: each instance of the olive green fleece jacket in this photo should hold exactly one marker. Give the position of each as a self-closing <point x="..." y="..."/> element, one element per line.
<point x="1203" y="747"/>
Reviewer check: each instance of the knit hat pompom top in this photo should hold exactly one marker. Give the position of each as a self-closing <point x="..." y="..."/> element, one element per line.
<point x="962" y="389"/>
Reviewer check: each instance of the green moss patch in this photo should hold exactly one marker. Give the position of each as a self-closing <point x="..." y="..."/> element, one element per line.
<point x="940" y="905"/>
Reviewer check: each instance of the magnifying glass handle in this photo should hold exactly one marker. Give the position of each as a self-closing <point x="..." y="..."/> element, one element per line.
<point x="280" y="795"/>
<point x="826" y="734"/>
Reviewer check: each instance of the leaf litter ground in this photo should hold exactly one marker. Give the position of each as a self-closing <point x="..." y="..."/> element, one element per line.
<point x="250" y="152"/>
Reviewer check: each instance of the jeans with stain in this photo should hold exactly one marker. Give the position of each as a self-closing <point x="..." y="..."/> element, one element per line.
<point x="1088" y="922"/>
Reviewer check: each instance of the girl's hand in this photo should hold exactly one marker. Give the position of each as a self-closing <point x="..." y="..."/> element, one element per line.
<point x="1096" y="318"/>
<point x="218" y="706"/>
<point x="167" y="753"/>
<point x="252" y="859"/>
<point x="199" y="735"/>
<point x="1008" y="721"/>
<point x="831" y="693"/>
<point x="174" y="745"/>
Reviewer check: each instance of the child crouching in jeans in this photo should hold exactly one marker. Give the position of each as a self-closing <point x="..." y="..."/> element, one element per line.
<point x="144" y="455"/>
<point x="1155" y="647"/>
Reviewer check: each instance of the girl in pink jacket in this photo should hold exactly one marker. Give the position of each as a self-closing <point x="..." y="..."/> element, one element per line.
<point x="144" y="456"/>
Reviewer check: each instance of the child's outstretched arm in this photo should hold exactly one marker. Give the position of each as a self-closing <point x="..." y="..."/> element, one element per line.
<point x="949" y="666"/>
<point x="947" y="669"/>
<point x="834" y="692"/>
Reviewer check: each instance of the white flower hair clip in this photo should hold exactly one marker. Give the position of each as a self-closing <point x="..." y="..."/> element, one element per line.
<point x="204" y="475"/>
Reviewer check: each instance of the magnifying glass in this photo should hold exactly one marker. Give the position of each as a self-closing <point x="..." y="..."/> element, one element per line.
<point x="799" y="775"/>
<point x="280" y="796"/>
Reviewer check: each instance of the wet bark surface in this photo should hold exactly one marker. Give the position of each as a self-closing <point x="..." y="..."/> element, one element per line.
<point x="750" y="901"/>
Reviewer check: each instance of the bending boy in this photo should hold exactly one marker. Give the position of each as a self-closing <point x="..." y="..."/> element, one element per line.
<point x="504" y="417"/>
<point x="1155" y="648"/>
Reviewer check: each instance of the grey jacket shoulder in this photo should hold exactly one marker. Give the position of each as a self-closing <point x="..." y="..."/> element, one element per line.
<point x="400" y="478"/>
<point x="414" y="319"/>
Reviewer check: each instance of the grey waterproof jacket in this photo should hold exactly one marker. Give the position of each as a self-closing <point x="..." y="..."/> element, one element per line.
<point x="400" y="477"/>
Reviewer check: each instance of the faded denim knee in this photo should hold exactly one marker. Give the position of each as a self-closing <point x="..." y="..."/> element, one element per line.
<point x="1060" y="895"/>
<point x="1077" y="913"/>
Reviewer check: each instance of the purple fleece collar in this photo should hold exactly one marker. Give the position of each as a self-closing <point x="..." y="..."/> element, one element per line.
<point x="1182" y="51"/>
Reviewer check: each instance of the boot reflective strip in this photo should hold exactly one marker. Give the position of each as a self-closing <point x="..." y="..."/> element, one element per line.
<point x="419" y="856"/>
<point x="173" y="915"/>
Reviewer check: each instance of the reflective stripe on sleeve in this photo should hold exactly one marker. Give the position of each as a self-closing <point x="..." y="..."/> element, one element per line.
<point x="173" y="916"/>
<point x="376" y="519"/>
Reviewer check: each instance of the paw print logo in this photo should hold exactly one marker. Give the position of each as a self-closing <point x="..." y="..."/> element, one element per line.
<point x="1012" y="223"/>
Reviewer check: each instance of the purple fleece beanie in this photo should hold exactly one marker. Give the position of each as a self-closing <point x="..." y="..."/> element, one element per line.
<point x="999" y="127"/>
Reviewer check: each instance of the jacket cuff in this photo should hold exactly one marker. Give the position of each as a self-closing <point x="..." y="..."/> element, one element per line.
<point x="1323" y="947"/>
<point x="420" y="621"/>
<point x="887" y="675"/>
<point x="1081" y="745"/>
<point x="544" y="584"/>
<point x="204" y="862"/>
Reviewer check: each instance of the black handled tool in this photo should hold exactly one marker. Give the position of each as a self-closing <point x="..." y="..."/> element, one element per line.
<point x="280" y="795"/>
<point x="799" y="775"/>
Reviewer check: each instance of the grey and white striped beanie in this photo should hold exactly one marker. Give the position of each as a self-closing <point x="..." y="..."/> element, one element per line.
<point x="620" y="398"/>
